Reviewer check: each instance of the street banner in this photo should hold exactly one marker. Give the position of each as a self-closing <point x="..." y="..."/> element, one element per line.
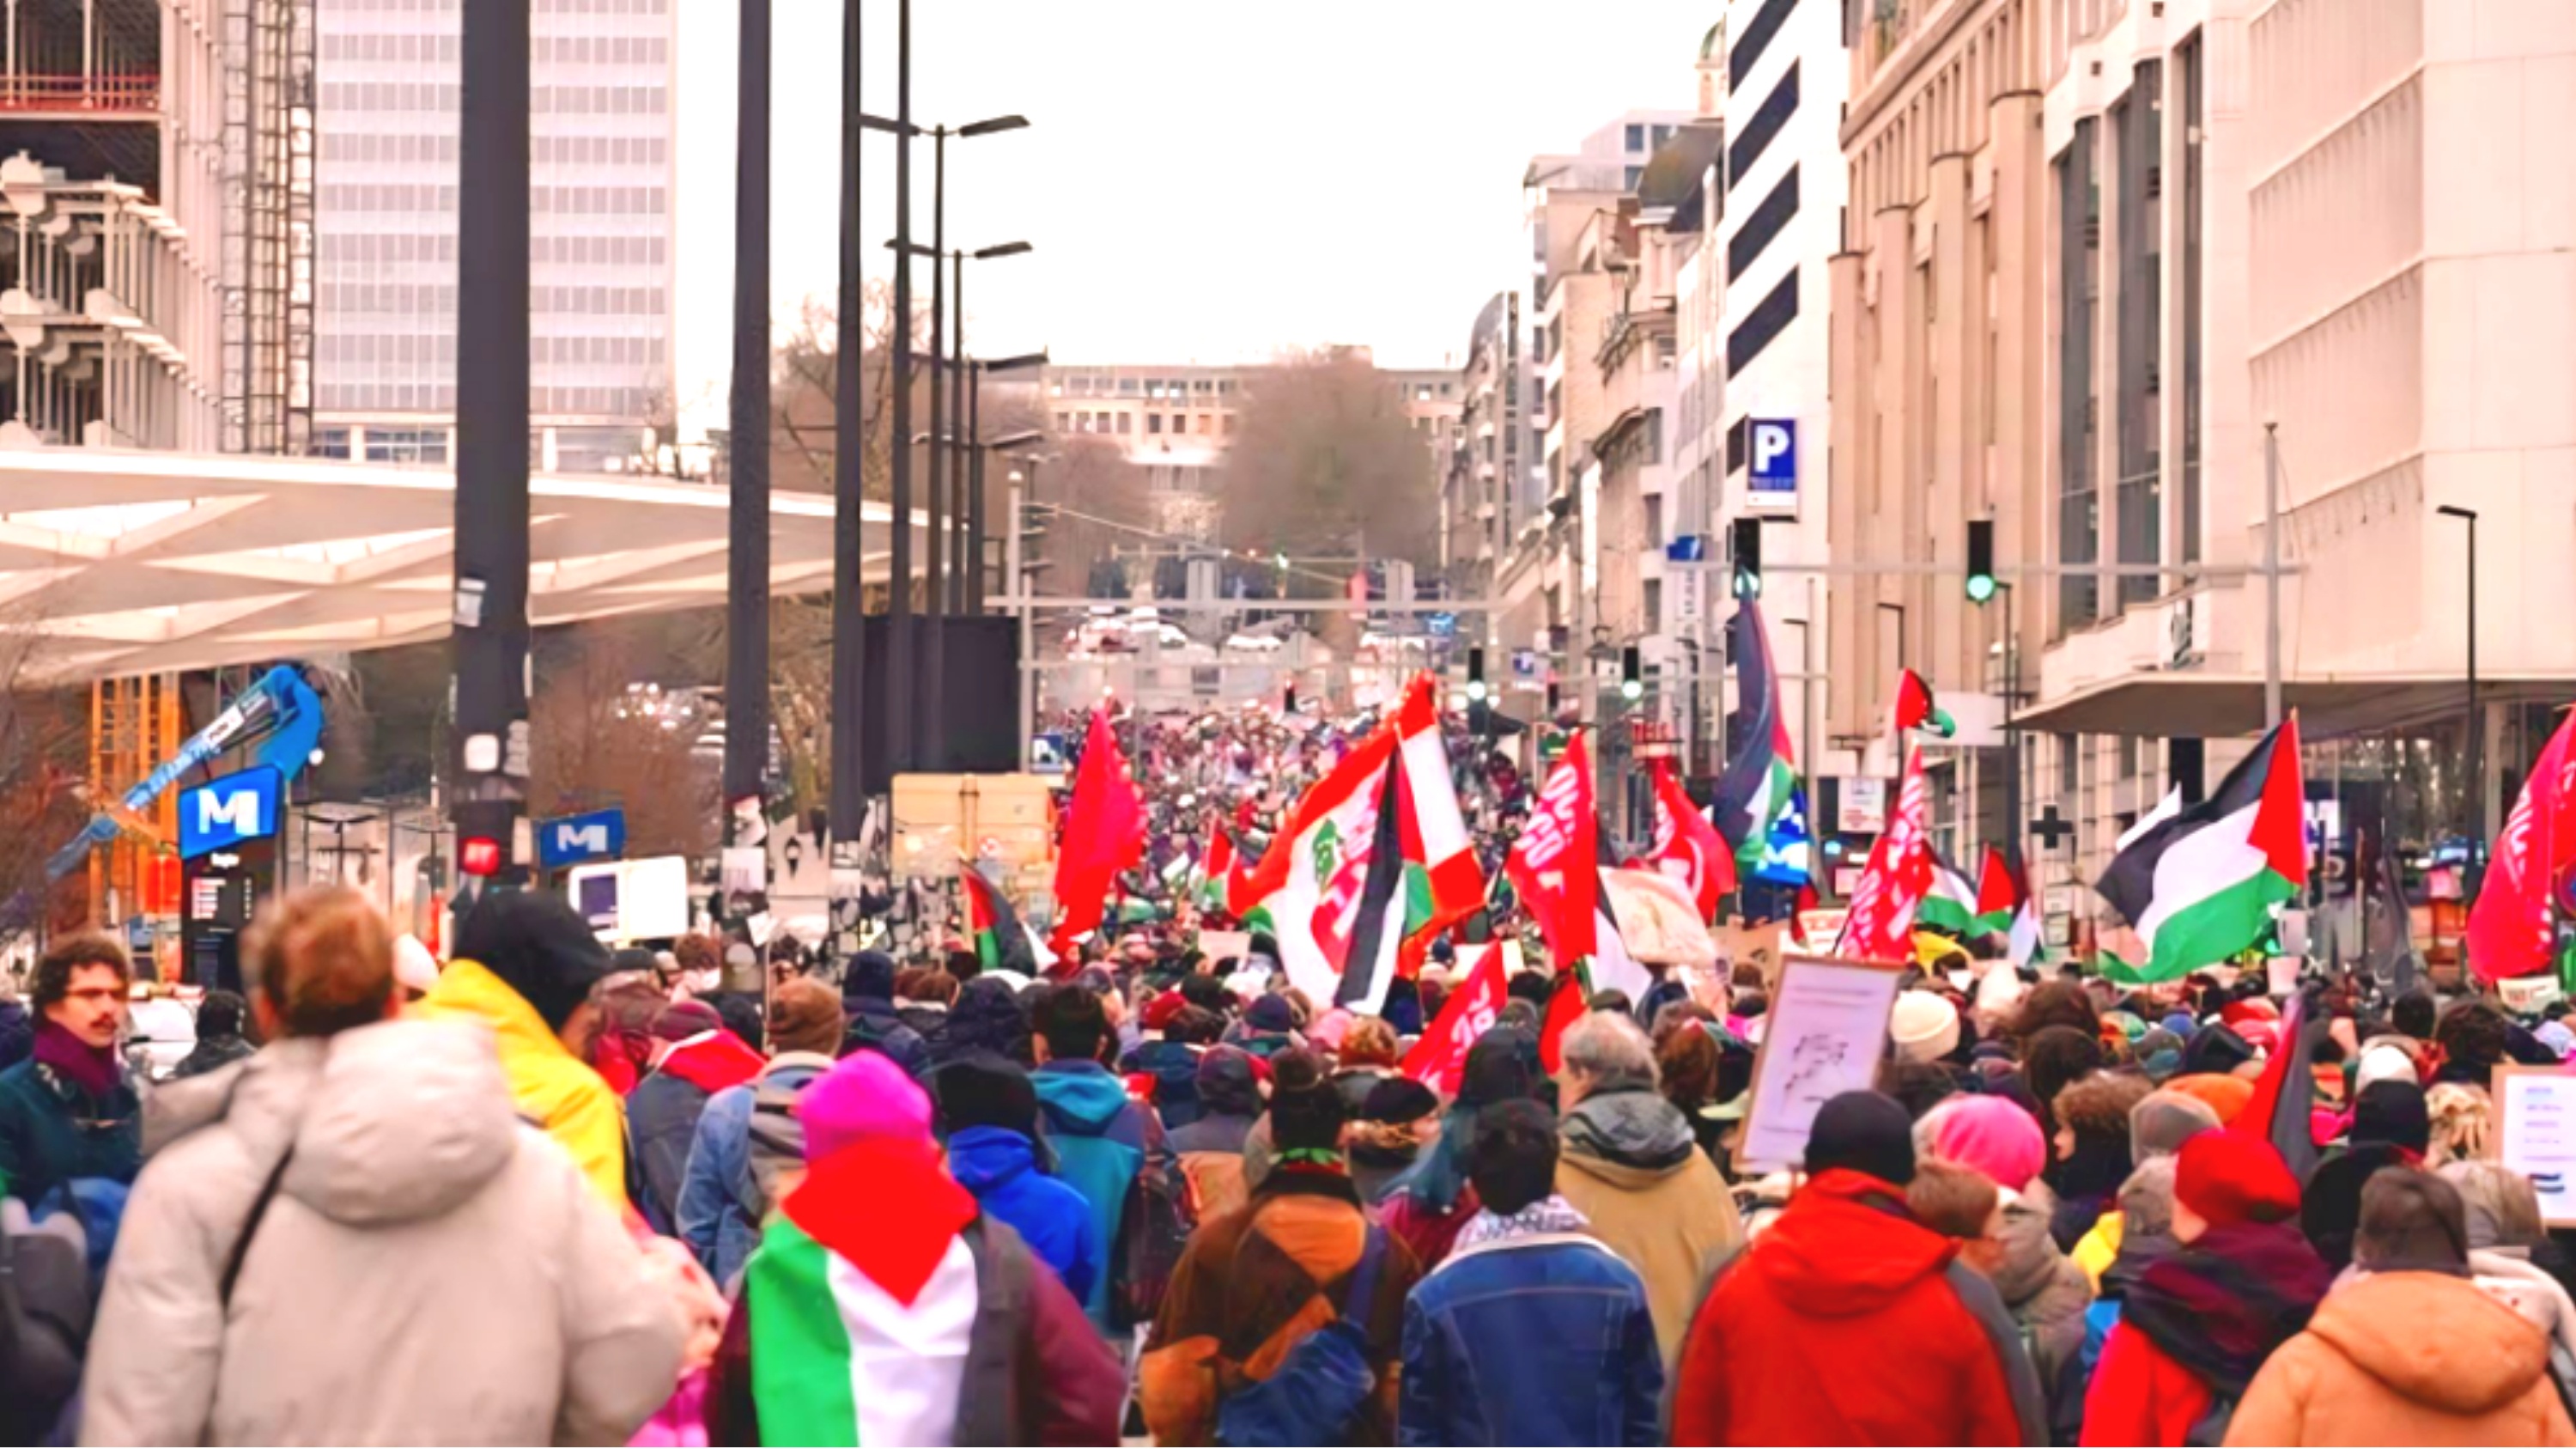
<point x="2510" y="928"/>
<point x="1880" y="926"/>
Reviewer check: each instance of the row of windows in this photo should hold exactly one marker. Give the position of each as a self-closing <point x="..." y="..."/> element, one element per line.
<point x="1764" y="223"/>
<point x="417" y="49"/>
<point x="431" y="348"/>
<point x="385" y="445"/>
<point x="423" y="397"/>
<point x="1768" y="319"/>
<point x="426" y="299"/>
<point x="413" y="149"/>
<point x="1155" y="423"/>
<point x="1765" y="125"/>
<point x="422" y="96"/>
<point x="559" y="200"/>
<point x="1082" y="384"/>
<point x="370" y="249"/>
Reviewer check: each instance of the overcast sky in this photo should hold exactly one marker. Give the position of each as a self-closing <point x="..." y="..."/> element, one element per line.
<point x="1212" y="183"/>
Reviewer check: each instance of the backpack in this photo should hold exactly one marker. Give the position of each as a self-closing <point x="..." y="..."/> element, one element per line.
<point x="774" y="1146"/>
<point x="1317" y="1393"/>
<point x="1153" y="1231"/>
<point x="44" y="1330"/>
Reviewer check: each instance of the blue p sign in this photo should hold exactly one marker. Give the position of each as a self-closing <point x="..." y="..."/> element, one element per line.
<point x="1774" y="473"/>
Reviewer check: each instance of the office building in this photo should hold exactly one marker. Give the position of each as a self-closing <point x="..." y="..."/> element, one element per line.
<point x="604" y="207"/>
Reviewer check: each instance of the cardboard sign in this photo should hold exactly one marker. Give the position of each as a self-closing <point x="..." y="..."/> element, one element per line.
<point x="2536" y="1135"/>
<point x="1760" y="945"/>
<point x="1657" y="919"/>
<point x="2525" y="995"/>
<point x="1823" y="1036"/>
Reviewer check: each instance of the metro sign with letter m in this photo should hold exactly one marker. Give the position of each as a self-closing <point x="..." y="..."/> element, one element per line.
<point x="224" y="813"/>
<point x="572" y="839"/>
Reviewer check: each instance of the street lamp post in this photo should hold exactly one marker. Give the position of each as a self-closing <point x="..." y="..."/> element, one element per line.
<point x="746" y="756"/>
<point x="849" y="503"/>
<point x="2477" y="788"/>
<point x="898" y="751"/>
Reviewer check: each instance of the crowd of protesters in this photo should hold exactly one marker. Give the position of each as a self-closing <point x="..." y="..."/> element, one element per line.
<point x="555" y="1194"/>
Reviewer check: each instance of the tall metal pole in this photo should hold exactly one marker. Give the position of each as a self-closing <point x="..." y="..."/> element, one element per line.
<point x="1015" y="563"/>
<point x="962" y="442"/>
<point x="849" y="473"/>
<point x="746" y="756"/>
<point x="898" y="674"/>
<point x="2271" y="576"/>
<point x="2477" y="732"/>
<point x="929" y="745"/>
<point x="490" y="652"/>
<point x="973" y="565"/>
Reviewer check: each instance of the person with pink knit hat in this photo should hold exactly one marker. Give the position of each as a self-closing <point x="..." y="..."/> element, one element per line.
<point x="2047" y="1294"/>
<point x="884" y="1307"/>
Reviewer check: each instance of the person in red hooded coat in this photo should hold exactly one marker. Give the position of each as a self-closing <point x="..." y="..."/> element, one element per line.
<point x="1848" y="1322"/>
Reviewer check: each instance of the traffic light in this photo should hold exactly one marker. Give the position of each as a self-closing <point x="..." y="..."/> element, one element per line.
<point x="1476" y="675"/>
<point x="1746" y="550"/>
<point x="483" y="829"/>
<point x="1632" y="674"/>
<point x="1981" y="560"/>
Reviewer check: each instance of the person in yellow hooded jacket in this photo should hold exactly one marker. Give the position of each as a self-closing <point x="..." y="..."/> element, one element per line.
<point x="525" y="965"/>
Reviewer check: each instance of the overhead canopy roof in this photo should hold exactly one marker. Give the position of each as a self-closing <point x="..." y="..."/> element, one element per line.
<point x="133" y="562"/>
<point x="2222" y="706"/>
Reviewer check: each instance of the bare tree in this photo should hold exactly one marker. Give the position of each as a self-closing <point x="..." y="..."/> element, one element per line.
<point x="1326" y="464"/>
<point x="598" y="744"/>
<point x="43" y="795"/>
<point x="1093" y="499"/>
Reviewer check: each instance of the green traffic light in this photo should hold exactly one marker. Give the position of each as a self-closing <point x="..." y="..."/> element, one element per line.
<point x="1981" y="587"/>
<point x="1747" y="585"/>
<point x="1476" y="690"/>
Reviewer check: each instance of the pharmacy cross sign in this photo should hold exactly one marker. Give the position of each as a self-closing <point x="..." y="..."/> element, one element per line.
<point x="2051" y="828"/>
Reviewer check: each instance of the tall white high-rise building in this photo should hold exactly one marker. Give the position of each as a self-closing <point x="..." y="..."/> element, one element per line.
<point x="603" y="153"/>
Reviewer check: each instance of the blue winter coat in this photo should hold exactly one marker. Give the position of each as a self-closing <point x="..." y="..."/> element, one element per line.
<point x="714" y="1215"/>
<point x="1101" y="1140"/>
<point x="1544" y="1339"/>
<point x="999" y="1166"/>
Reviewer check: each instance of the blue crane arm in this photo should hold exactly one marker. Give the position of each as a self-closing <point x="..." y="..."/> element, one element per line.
<point x="280" y="710"/>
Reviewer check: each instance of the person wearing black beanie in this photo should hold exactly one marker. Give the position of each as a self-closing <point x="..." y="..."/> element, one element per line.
<point x="1863" y="1132"/>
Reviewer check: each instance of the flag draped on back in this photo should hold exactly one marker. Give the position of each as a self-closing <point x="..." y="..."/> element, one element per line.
<point x="2202" y="885"/>
<point x="1761" y="809"/>
<point x="1687" y="847"/>
<point x="2510" y="932"/>
<point x="1880" y="923"/>
<point x="1105" y="835"/>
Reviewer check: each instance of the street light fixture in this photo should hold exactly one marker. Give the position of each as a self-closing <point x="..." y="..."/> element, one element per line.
<point x="2477" y="783"/>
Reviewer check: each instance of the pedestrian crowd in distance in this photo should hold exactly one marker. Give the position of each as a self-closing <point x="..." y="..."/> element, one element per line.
<point x="547" y="1193"/>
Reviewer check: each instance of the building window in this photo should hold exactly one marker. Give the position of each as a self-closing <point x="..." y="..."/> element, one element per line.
<point x="406" y="445"/>
<point x="1126" y="423"/>
<point x="1768" y="319"/>
<point x="1663" y="134"/>
<point x="1764" y="126"/>
<point x="1153" y="422"/>
<point x="2079" y="242"/>
<point x="1636" y="138"/>
<point x="1654" y="611"/>
<point x="330" y="442"/>
<point x="1758" y="35"/>
<point x="2194" y="193"/>
<point x="1762" y="225"/>
<point x="1635" y="175"/>
<point x="1654" y="522"/>
<point x="2140" y="124"/>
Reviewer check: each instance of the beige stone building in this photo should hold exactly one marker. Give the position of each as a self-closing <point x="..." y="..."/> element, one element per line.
<point x="2095" y="247"/>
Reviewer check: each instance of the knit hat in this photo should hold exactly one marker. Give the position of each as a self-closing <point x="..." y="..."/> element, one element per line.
<point x="870" y="978"/>
<point x="1228" y="1082"/>
<point x="865" y="1097"/>
<point x="1925" y="1026"/>
<point x="981" y="1089"/>
<point x="2225" y="1095"/>
<point x="1866" y="1133"/>
<point x="804" y="1016"/>
<point x="1160" y="1009"/>
<point x="1991" y="1134"/>
<point x="2159" y="1053"/>
<point x="2393" y="1113"/>
<point x="1271" y="1014"/>
<point x="2234" y="1177"/>
<point x="1399" y="1099"/>
<point x="539" y="947"/>
<point x="2163" y="1121"/>
<point x="2216" y="1049"/>
<point x="682" y="1020"/>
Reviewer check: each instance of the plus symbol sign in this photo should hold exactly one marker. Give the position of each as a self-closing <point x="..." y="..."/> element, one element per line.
<point x="2051" y="828"/>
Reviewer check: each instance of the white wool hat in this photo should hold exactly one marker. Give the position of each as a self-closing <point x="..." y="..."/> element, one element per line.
<point x="2383" y="1062"/>
<point x="2000" y="991"/>
<point x="1925" y="1026"/>
<point x="414" y="968"/>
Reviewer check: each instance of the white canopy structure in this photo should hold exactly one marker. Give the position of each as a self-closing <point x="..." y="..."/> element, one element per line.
<point x="127" y="563"/>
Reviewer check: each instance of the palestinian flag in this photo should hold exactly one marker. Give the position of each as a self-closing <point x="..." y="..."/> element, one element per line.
<point x="1917" y="710"/>
<point x="1216" y="868"/>
<point x="1001" y="942"/>
<point x="1951" y="907"/>
<point x="857" y="1281"/>
<point x="2203" y="885"/>
<point x="1761" y="809"/>
<point x="2278" y="1112"/>
<point x="1999" y="895"/>
<point x="1443" y="881"/>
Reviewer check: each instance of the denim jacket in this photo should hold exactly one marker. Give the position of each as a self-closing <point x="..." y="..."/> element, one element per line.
<point x="1537" y="1339"/>
<point x="713" y="1214"/>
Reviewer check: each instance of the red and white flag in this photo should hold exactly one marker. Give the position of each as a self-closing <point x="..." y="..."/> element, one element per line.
<point x="1435" y="836"/>
<point x="1103" y="835"/>
<point x="1687" y="847"/>
<point x="1439" y="1059"/>
<point x="2510" y="931"/>
<point x="1555" y="864"/>
<point x="1880" y="925"/>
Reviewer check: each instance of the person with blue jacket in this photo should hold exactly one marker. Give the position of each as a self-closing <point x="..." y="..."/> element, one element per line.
<point x="1103" y="1139"/>
<point x="988" y="1110"/>
<point x="1526" y="1287"/>
<point x="748" y="1135"/>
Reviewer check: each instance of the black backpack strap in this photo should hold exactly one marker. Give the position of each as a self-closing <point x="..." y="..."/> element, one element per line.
<point x="1362" y="1292"/>
<point x="250" y="1227"/>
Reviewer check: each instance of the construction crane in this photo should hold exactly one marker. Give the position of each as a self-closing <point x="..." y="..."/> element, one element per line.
<point x="280" y="713"/>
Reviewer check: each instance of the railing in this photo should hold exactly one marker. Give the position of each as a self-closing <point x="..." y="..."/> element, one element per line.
<point x="128" y="94"/>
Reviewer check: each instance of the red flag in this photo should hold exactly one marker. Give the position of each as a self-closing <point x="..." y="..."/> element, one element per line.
<point x="1439" y="1059"/>
<point x="1105" y="835"/>
<point x="2509" y="926"/>
<point x="1881" y="919"/>
<point x="1556" y="863"/>
<point x="2278" y="1112"/>
<point x="1998" y="889"/>
<point x="1565" y="1007"/>
<point x="1687" y="847"/>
